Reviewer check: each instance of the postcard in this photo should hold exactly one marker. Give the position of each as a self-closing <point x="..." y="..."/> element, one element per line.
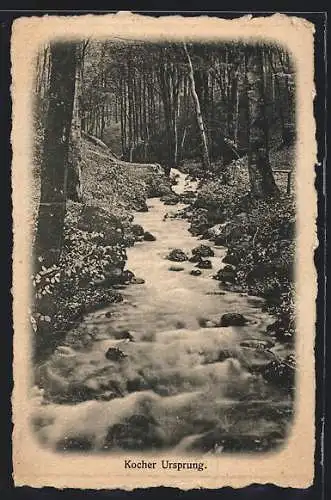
<point x="164" y="284"/>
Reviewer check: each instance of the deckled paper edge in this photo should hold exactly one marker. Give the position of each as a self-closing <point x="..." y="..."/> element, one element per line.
<point x="293" y="466"/>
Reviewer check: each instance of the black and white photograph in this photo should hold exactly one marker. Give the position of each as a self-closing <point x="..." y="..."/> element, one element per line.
<point x="163" y="222"/>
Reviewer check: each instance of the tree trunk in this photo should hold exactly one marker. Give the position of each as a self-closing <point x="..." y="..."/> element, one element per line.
<point x="123" y="114"/>
<point x="130" y="110"/>
<point x="212" y="118"/>
<point x="265" y="124"/>
<point x="176" y="110"/>
<point x="55" y="156"/>
<point x="103" y="120"/>
<point x="262" y="182"/>
<point x="181" y="155"/>
<point x="236" y="110"/>
<point x="165" y="87"/>
<point x="205" y="156"/>
<point x="261" y="177"/>
<point x="74" y="186"/>
<point x="280" y="103"/>
<point x="116" y="109"/>
<point x="285" y="69"/>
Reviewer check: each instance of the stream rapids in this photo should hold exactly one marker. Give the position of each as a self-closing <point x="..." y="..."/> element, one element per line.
<point x="180" y="387"/>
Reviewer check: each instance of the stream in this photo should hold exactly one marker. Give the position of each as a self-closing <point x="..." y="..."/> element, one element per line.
<point x="179" y="386"/>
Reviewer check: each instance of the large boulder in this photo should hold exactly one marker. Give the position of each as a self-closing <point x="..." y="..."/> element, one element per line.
<point x="171" y="199"/>
<point x="231" y="258"/>
<point x="127" y="276"/>
<point x="135" y="433"/>
<point x="115" y="354"/>
<point x="281" y="372"/>
<point x="220" y="240"/>
<point x="140" y="206"/>
<point x="137" y="230"/>
<point x="204" y="264"/>
<point x="225" y="275"/>
<point x="177" y="255"/>
<point x="203" y="251"/>
<point x="149" y="236"/>
<point x="196" y="272"/>
<point x="199" y="222"/>
<point x="199" y="227"/>
<point x="157" y="186"/>
<point x="233" y="319"/>
<point x="194" y="259"/>
<point x="137" y="281"/>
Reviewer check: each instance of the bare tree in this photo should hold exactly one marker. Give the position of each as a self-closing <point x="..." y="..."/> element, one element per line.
<point x="205" y="155"/>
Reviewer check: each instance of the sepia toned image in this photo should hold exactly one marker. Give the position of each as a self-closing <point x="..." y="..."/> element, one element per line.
<point x="164" y="229"/>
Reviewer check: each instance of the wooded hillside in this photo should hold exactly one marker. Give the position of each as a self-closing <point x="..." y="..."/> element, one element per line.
<point x="169" y="102"/>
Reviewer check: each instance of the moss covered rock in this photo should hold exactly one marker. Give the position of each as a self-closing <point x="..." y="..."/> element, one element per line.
<point x="203" y="251"/>
<point x="233" y="319"/>
<point x="177" y="255"/>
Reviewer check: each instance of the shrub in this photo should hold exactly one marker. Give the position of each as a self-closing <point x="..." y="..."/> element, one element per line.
<point x="63" y="292"/>
<point x="259" y="235"/>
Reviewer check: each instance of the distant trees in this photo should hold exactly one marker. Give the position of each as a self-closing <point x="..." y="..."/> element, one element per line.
<point x="162" y="102"/>
<point x="163" y="120"/>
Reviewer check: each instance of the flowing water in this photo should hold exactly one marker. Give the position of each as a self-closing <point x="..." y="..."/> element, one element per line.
<point x="179" y="386"/>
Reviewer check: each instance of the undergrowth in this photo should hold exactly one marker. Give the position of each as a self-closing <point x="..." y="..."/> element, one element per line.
<point x="259" y="235"/>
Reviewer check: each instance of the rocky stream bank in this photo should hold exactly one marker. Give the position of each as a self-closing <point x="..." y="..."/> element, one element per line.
<point x="180" y="355"/>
